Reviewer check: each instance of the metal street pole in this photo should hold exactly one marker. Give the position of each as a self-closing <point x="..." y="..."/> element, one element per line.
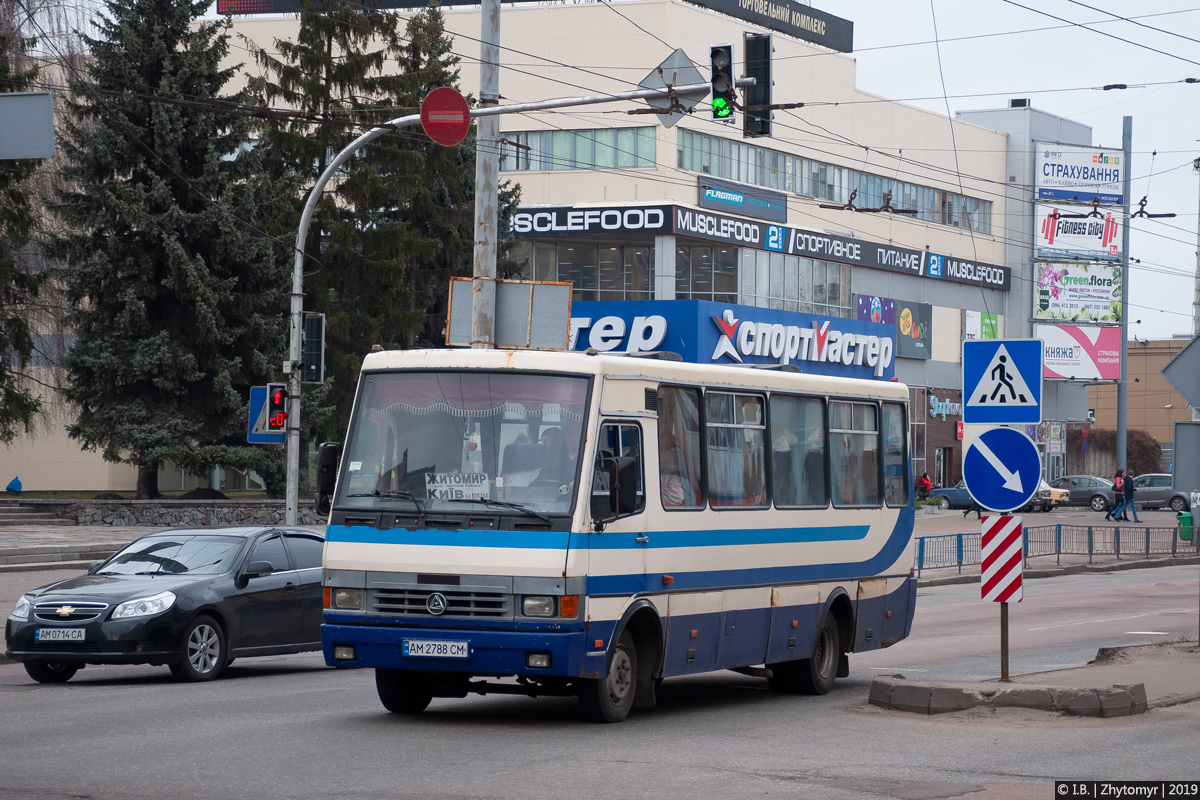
<point x="1196" y="291"/>
<point x="1122" y="387"/>
<point x="487" y="181"/>
<point x="292" y="365"/>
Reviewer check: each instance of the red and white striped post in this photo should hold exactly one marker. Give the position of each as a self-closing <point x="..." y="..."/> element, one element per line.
<point x="1000" y="578"/>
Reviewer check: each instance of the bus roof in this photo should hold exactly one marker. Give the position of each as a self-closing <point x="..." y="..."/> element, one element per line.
<point x="631" y="367"/>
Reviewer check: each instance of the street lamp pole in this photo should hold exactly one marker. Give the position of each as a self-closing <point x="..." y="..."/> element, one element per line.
<point x="1122" y="387"/>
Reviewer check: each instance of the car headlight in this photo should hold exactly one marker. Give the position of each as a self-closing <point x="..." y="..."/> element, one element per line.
<point x="538" y="606"/>
<point x="145" y="606"/>
<point x="22" y="609"/>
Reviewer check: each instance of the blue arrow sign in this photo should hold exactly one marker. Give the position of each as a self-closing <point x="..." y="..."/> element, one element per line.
<point x="1002" y="381"/>
<point x="256" y="425"/>
<point x="1002" y="469"/>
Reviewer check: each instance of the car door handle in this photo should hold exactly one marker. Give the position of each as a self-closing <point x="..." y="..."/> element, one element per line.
<point x="291" y="587"/>
<point x="642" y="539"/>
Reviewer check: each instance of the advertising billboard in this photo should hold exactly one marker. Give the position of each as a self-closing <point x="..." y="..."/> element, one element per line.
<point x="913" y="321"/>
<point x="704" y="332"/>
<point x="980" y="325"/>
<point x="1079" y="292"/>
<point x="1076" y="353"/>
<point x="1095" y="237"/>
<point x="1078" y="174"/>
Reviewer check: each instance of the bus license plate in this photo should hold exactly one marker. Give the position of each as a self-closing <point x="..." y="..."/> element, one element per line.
<point x="417" y="648"/>
<point x="58" y="635"/>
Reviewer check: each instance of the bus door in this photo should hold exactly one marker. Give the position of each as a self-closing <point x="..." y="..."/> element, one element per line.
<point x="619" y="553"/>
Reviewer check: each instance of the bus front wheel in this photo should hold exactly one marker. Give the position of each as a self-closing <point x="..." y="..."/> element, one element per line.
<point x="609" y="699"/>
<point x="403" y="691"/>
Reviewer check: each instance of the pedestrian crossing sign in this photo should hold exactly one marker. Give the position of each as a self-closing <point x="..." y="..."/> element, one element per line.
<point x="1002" y="381"/>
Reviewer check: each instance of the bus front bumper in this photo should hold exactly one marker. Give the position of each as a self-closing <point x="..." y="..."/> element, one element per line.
<point x="472" y="651"/>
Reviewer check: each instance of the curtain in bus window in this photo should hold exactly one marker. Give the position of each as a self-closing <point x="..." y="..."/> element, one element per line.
<point x="895" y="462"/>
<point x="798" y="451"/>
<point x="679" y="447"/>
<point x="735" y="429"/>
<point x="854" y="454"/>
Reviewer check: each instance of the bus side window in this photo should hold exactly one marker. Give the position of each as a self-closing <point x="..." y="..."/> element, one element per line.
<point x="896" y="479"/>
<point x="798" y="451"/>
<point x="853" y="453"/>
<point x="624" y="442"/>
<point x="679" y="447"/>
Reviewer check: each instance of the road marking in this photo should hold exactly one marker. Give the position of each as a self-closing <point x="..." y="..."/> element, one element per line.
<point x="1110" y="619"/>
<point x="1146" y="633"/>
<point x="893" y="669"/>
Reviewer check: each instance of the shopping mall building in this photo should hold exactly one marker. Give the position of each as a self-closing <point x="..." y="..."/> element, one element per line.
<point x="705" y="229"/>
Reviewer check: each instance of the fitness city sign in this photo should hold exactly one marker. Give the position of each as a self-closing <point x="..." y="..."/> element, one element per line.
<point x="705" y="332"/>
<point x="566" y="221"/>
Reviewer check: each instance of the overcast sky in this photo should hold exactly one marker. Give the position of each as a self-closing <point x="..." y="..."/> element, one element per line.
<point x="1059" y="67"/>
<point x="994" y="50"/>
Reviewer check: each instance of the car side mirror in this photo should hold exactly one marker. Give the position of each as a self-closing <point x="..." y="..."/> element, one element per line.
<point x="95" y="565"/>
<point x="257" y="569"/>
<point x="328" y="456"/>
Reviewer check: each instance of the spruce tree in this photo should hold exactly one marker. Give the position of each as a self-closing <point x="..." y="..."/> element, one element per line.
<point x="18" y="286"/>
<point x="401" y="221"/>
<point x="178" y="298"/>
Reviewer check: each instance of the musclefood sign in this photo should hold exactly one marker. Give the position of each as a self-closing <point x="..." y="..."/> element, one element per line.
<point x="567" y="221"/>
<point x="720" y="333"/>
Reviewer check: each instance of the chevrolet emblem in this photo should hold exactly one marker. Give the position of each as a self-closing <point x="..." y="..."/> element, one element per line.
<point x="65" y="611"/>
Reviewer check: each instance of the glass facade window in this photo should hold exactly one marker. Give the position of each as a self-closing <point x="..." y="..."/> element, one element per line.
<point x="760" y="166"/>
<point x="597" y="271"/>
<point x="791" y="283"/>
<point x="703" y="272"/>
<point x="601" y="148"/>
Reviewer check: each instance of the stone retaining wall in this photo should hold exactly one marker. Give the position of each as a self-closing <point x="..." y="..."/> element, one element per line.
<point x="171" y="513"/>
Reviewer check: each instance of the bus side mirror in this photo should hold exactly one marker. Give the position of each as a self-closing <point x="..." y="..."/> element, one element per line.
<point x="614" y="488"/>
<point x="328" y="456"/>
<point x="603" y="496"/>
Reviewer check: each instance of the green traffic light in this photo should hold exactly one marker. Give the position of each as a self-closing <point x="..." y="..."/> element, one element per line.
<point x="721" y="107"/>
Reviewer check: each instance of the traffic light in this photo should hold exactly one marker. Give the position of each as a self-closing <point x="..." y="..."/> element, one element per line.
<point x="277" y="406"/>
<point x="757" y="120"/>
<point x="721" y="60"/>
<point x="312" y="348"/>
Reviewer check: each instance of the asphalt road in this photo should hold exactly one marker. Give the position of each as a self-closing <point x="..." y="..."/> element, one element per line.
<point x="288" y="727"/>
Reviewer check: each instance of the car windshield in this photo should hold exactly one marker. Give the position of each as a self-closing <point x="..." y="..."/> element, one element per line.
<point x="465" y="442"/>
<point x="176" y="555"/>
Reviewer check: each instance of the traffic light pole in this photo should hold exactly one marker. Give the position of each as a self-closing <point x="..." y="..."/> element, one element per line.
<point x="292" y="367"/>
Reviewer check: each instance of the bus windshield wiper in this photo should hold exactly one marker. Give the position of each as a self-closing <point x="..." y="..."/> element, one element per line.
<point x="503" y="503"/>
<point x="397" y="493"/>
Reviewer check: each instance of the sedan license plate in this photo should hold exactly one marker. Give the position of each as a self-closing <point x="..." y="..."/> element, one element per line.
<point x="417" y="648"/>
<point x="59" y="635"/>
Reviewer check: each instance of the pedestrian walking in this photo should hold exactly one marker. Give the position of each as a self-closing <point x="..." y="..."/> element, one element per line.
<point x="1119" y="491"/>
<point x="1130" y="505"/>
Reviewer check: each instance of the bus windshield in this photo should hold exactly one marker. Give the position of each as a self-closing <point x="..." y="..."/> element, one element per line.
<point x="458" y="441"/>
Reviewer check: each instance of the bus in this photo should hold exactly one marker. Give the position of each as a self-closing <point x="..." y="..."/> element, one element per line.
<point x="574" y="523"/>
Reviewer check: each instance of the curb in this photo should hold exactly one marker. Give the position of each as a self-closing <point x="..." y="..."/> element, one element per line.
<point x="895" y="693"/>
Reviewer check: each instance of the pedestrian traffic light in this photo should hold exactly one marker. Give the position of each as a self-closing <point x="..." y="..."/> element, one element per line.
<point x="721" y="60"/>
<point x="756" y="120"/>
<point x="277" y="406"/>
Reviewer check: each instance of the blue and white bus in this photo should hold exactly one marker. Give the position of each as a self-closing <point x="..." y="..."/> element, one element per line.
<point x="556" y="523"/>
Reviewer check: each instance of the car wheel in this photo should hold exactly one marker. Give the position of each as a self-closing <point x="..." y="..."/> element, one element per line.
<point x="403" y="691"/>
<point x="1179" y="504"/>
<point x="610" y="699"/>
<point x="943" y="502"/>
<point x="1098" y="503"/>
<point x="816" y="674"/>
<point x="50" y="671"/>
<point x="203" y="651"/>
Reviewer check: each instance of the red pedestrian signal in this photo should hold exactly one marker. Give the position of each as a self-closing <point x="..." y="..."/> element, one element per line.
<point x="277" y="406"/>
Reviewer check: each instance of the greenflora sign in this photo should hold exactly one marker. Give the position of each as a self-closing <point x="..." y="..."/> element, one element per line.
<point x="1079" y="292"/>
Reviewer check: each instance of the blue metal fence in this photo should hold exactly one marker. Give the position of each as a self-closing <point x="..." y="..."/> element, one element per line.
<point x="963" y="549"/>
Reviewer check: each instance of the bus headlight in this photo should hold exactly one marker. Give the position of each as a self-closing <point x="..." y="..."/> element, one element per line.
<point x="537" y="606"/>
<point x="347" y="598"/>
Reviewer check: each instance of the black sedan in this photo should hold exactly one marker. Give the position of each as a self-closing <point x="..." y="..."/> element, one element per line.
<point x="191" y="599"/>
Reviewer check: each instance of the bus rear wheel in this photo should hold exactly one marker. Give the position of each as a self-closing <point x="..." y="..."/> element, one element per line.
<point x="815" y="675"/>
<point x="610" y="699"/>
<point x="403" y="691"/>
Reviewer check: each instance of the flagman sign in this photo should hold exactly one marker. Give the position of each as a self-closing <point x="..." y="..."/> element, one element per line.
<point x="1002" y="559"/>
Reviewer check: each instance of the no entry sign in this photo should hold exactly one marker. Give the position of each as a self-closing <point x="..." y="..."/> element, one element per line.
<point x="445" y="116"/>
